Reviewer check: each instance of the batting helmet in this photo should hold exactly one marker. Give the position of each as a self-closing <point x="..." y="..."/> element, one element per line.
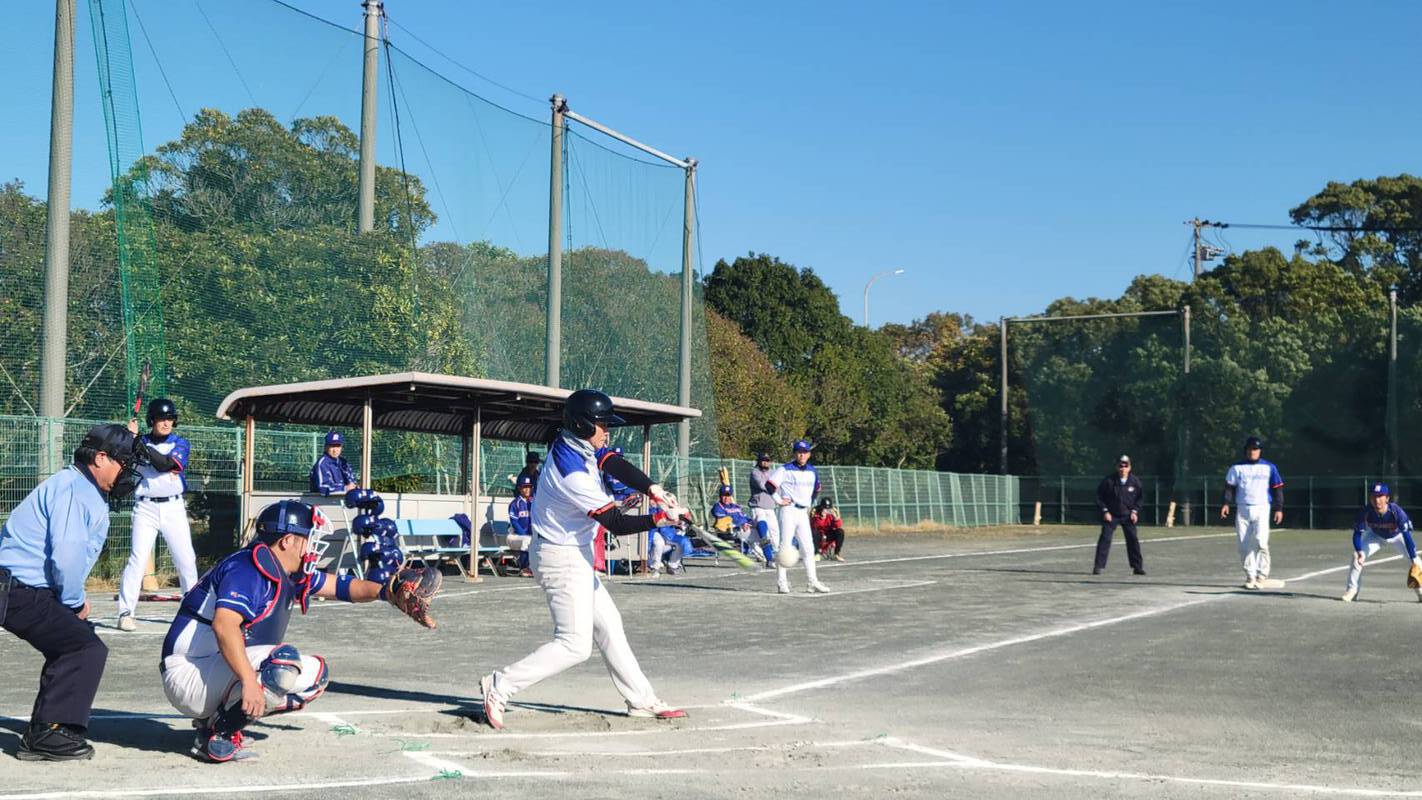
<point x="585" y="409"/>
<point x="1253" y="443"/>
<point x="162" y="408"/>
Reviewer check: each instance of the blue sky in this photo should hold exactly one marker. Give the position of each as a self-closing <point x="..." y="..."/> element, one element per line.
<point x="1004" y="155"/>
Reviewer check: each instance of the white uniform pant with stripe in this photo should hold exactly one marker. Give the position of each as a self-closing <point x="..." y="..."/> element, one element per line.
<point x="150" y="519"/>
<point x="583" y="615"/>
<point x="197" y="686"/>
<point x="1251" y="526"/>
<point x="771" y="518"/>
<point x="795" y="532"/>
<point x="1371" y="544"/>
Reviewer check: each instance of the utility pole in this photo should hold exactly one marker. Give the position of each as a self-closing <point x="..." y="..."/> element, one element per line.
<point x="53" y="364"/>
<point x="553" y="355"/>
<point x="1204" y="252"/>
<point x="1392" y="386"/>
<point x="365" y="207"/>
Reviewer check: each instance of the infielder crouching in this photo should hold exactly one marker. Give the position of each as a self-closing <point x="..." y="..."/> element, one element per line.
<point x="224" y="661"/>
<point x="1382" y="522"/>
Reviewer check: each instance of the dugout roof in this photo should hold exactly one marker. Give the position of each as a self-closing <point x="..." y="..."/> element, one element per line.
<point x="424" y="402"/>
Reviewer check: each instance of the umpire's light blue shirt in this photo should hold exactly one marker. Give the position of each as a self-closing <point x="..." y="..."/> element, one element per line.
<point x="54" y="536"/>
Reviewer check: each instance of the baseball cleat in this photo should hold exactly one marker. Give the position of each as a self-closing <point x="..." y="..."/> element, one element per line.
<point x="126" y="623"/>
<point x="1251" y="584"/>
<point x="493" y="703"/>
<point x="657" y="710"/>
<point x="1349" y="595"/>
<point x="782" y="588"/>
<point x="220" y="748"/>
<point x="818" y="588"/>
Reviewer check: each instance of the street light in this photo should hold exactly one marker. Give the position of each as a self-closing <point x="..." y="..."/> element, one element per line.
<point x="871" y="283"/>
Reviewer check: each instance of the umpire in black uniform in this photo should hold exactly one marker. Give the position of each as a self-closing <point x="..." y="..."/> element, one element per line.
<point x="1119" y="498"/>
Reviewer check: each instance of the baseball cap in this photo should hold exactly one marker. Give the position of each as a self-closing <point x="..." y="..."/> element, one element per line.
<point x="116" y="440"/>
<point x="531" y="458"/>
<point x="1379" y="488"/>
<point x="762" y="456"/>
<point x="1124" y="459"/>
<point x="803" y="446"/>
<point x="725" y="490"/>
<point x="335" y="437"/>
<point x="525" y="480"/>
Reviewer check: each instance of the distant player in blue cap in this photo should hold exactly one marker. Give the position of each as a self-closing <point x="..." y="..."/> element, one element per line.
<point x="332" y="474"/>
<point x="1381" y="522"/>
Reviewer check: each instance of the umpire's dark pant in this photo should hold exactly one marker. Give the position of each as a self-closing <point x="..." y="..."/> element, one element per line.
<point x="1133" y="544"/>
<point x="73" y="655"/>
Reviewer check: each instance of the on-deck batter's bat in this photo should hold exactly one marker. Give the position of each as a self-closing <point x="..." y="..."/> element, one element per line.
<point x="144" y="376"/>
<point x="724" y="548"/>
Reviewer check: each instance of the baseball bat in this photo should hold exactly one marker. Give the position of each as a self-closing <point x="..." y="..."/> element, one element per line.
<point x="724" y="548"/>
<point x="144" y="376"/>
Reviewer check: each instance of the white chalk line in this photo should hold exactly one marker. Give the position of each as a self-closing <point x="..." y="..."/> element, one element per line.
<point x="1017" y="640"/>
<point x="954" y="760"/>
<point x="841" y="593"/>
<point x="1013" y="551"/>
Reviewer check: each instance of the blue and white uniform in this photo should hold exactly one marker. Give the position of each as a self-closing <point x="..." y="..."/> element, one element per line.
<point x="1373" y="530"/>
<point x="764" y="509"/>
<point x="252" y="583"/>
<point x="520" y="535"/>
<point x="331" y="475"/>
<point x="570" y="492"/>
<point x="799" y="485"/>
<point x="1252" y="483"/>
<point x="666" y="542"/>
<point x="159" y="508"/>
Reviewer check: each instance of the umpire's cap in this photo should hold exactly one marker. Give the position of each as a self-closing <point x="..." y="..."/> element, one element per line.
<point x="1254" y="443"/>
<point x="115" y="440"/>
<point x="587" y="408"/>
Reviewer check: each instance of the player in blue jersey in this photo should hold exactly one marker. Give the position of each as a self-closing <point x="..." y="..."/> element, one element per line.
<point x="727" y="516"/>
<point x="159" y="508"/>
<point x="520" y="515"/>
<point x="332" y="474"/>
<point x="225" y="661"/>
<point x="1255" y="487"/>
<point x="1381" y="522"/>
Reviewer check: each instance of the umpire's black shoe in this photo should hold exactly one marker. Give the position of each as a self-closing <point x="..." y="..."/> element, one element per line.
<point x="54" y="742"/>
<point x="1139" y="571"/>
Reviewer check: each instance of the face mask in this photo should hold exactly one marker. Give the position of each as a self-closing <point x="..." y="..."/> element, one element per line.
<point x="128" y="478"/>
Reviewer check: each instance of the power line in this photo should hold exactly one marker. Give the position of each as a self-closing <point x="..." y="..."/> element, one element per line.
<point x="1318" y="228"/>
<point x="469" y="70"/>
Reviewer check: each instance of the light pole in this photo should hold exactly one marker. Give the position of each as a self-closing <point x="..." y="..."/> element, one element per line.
<point x="871" y="283"/>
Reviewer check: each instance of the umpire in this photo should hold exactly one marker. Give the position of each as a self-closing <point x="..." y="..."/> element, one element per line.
<point x="1119" y="498"/>
<point x="47" y="547"/>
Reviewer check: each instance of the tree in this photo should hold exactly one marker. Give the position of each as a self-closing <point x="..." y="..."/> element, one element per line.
<point x="756" y="408"/>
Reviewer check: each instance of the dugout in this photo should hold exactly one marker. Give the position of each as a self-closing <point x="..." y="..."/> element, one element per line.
<point x="474" y="409"/>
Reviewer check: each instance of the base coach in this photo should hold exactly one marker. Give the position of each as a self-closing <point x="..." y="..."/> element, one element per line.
<point x="1119" y="499"/>
<point x="47" y="547"/>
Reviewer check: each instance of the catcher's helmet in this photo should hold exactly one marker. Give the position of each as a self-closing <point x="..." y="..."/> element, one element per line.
<point x="286" y="517"/>
<point x="584" y="409"/>
<point x="162" y="408"/>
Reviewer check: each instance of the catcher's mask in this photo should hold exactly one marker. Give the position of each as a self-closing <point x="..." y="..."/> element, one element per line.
<point x="295" y="518"/>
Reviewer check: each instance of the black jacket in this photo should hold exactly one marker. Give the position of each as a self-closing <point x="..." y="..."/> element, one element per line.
<point x="1117" y="498"/>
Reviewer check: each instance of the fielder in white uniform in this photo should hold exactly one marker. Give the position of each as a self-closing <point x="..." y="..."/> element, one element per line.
<point x="572" y="501"/>
<point x="796" y="485"/>
<point x="158" y="508"/>
<point x="1253" y="486"/>
<point x="1382" y="522"/>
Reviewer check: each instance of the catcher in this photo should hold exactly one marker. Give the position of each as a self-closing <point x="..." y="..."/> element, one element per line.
<point x="224" y="660"/>
<point x="1382" y="522"/>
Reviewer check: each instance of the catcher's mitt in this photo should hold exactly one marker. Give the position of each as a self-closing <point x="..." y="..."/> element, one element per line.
<point x="411" y="588"/>
<point x="1414" y="576"/>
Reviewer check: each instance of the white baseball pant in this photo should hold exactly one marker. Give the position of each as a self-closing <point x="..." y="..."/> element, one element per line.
<point x="1251" y="526"/>
<point x="795" y="531"/>
<point x="771" y="518"/>
<point x="660" y="547"/>
<point x="149" y="519"/>
<point x="1371" y="544"/>
<point x="197" y="686"/>
<point x="583" y="615"/>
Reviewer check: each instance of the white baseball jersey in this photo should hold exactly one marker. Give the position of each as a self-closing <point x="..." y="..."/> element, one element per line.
<point x="570" y="492"/>
<point x="796" y="483"/>
<point x="1252" y="481"/>
<point x="164" y="484"/>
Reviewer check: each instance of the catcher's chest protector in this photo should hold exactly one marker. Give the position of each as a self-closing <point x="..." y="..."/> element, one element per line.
<point x="270" y="627"/>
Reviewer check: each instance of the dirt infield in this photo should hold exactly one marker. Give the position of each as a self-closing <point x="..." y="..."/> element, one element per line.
<point x="985" y="665"/>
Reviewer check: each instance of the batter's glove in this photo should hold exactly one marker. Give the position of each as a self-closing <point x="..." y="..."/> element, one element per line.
<point x="411" y="589"/>
<point x="1414" y="576"/>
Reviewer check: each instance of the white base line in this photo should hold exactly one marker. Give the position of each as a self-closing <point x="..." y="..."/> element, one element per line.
<point x="958" y="761"/>
<point x="839" y="593"/>
<point x="1016" y="550"/>
<point x="982" y="648"/>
